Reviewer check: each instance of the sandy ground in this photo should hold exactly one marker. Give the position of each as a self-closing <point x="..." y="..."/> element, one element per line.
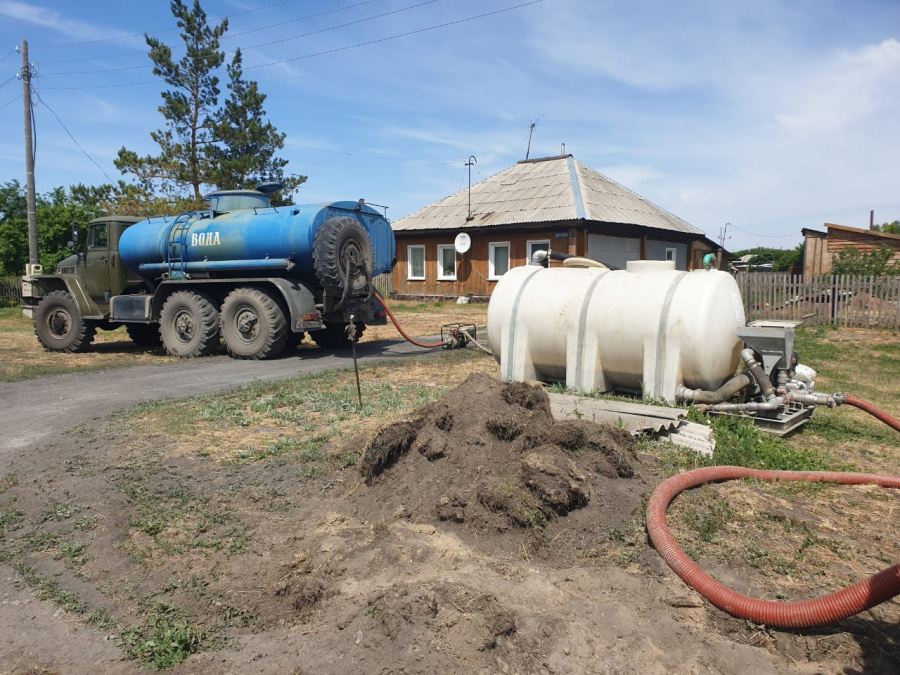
<point x="476" y="537"/>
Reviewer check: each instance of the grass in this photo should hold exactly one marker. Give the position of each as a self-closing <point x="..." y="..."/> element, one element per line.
<point x="301" y="417"/>
<point x="23" y="358"/>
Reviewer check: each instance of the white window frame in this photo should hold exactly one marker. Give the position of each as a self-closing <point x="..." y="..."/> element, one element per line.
<point x="440" y="262"/>
<point x="492" y="273"/>
<point x="673" y="252"/>
<point x="533" y="242"/>
<point x="409" y="262"/>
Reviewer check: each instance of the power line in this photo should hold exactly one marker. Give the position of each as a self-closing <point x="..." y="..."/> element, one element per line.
<point x="343" y="25"/>
<point x="161" y="30"/>
<point x="266" y="44"/>
<point x="18" y="96"/>
<point x="105" y="86"/>
<point x="11" y="52"/>
<point x="72" y="137"/>
<point x="273" y="25"/>
<point x="300" y="18"/>
<point x="769" y="236"/>
<point x="6" y="82"/>
<point x="398" y="35"/>
<point x="331" y="51"/>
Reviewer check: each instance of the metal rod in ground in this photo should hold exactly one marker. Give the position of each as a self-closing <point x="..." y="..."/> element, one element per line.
<point x="352" y="335"/>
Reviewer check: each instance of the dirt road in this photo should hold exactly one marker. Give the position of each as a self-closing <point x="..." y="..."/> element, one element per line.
<point x="33" y="410"/>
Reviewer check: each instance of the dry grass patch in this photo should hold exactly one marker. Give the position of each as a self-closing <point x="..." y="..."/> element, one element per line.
<point x="301" y="417"/>
<point x="22" y="357"/>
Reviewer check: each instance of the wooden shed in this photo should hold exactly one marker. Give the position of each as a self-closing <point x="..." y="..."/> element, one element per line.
<point x="821" y="247"/>
<point x="554" y="203"/>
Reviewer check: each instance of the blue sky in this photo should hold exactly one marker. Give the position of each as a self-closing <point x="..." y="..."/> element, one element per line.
<point x="768" y="115"/>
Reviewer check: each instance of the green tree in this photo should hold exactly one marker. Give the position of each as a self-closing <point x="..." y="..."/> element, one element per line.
<point x="56" y="211"/>
<point x="877" y="263"/>
<point x="244" y="155"/>
<point x="188" y="108"/>
<point x="13" y="229"/>
<point x="888" y="228"/>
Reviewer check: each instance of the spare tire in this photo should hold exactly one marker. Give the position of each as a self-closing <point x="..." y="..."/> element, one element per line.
<point x="338" y="242"/>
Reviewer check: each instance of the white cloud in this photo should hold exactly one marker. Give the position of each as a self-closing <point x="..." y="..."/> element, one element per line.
<point x="849" y="88"/>
<point x="51" y="19"/>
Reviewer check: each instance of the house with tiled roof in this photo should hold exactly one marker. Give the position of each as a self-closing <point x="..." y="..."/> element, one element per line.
<point x="462" y="244"/>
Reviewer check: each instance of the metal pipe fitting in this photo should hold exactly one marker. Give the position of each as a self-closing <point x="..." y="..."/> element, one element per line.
<point x="723" y="393"/>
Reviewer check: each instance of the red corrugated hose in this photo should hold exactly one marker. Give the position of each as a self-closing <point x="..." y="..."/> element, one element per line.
<point x="426" y="345"/>
<point x="805" y="614"/>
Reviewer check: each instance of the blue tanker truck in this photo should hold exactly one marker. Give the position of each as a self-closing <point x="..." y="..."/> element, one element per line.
<point x="240" y="271"/>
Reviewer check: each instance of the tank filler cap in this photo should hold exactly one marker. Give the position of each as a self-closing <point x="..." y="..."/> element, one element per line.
<point x="269" y="188"/>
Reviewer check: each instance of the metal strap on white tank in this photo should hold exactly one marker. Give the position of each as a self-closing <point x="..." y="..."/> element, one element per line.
<point x="661" y="334"/>
<point x="512" y="324"/>
<point x="582" y="320"/>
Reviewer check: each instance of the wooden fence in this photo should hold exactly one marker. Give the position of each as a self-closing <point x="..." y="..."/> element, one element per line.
<point x="872" y="302"/>
<point x="9" y="291"/>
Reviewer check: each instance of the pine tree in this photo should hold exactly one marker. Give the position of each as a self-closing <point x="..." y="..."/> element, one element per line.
<point x="189" y="107"/>
<point x="244" y="153"/>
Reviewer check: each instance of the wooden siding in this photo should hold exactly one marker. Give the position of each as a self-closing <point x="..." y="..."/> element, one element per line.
<point x="816" y="259"/>
<point x="866" y="242"/>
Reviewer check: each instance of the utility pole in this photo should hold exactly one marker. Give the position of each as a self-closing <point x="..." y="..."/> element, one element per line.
<point x="33" y="258"/>
<point x="722" y="233"/>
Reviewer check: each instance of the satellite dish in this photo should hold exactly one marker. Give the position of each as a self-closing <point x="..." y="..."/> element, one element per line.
<point x="462" y="243"/>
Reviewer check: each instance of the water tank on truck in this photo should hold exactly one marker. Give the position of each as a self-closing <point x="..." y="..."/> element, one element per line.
<point x="261" y="275"/>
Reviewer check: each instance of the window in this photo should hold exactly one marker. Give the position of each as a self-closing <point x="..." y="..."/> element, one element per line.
<point x="446" y="260"/>
<point x="537" y="245"/>
<point x="98" y="237"/>
<point x="415" y="263"/>
<point x="498" y="260"/>
<point x="672" y="254"/>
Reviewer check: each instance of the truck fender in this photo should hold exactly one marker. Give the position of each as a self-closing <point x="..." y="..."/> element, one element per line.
<point x="72" y="285"/>
<point x="300" y="303"/>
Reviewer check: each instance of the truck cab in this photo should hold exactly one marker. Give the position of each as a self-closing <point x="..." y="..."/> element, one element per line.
<point x="79" y="291"/>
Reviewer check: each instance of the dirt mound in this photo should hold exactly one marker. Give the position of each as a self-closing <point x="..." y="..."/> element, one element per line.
<point x="490" y="458"/>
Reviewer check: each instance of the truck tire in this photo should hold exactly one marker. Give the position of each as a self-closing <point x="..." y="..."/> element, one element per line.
<point x="59" y="326"/>
<point x="253" y="324"/>
<point x="335" y="240"/>
<point x="334" y="335"/>
<point x="144" y="335"/>
<point x="189" y="324"/>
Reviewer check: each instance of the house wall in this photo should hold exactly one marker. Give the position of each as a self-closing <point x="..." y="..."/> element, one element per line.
<point x="473" y="269"/>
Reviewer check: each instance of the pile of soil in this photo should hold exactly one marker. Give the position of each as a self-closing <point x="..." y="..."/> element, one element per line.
<point x="489" y="461"/>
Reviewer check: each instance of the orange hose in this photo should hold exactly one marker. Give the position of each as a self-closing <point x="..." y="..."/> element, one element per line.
<point x="387" y="309"/>
<point x="805" y="614"/>
<point x="892" y="422"/>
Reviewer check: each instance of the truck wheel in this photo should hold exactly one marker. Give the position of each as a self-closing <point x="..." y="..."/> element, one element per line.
<point x="144" y="335"/>
<point x="59" y="326"/>
<point x="253" y="324"/>
<point x="337" y="240"/>
<point x="189" y="324"/>
<point x="334" y="335"/>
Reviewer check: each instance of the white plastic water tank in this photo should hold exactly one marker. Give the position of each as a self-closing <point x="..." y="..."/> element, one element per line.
<point x="645" y="329"/>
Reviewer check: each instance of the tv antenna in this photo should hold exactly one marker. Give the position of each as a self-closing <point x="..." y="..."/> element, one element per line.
<point x="530" y="134"/>
<point x="469" y="164"/>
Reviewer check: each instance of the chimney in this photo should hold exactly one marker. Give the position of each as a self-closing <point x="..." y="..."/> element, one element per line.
<point x="562" y="150"/>
<point x="872" y="219"/>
